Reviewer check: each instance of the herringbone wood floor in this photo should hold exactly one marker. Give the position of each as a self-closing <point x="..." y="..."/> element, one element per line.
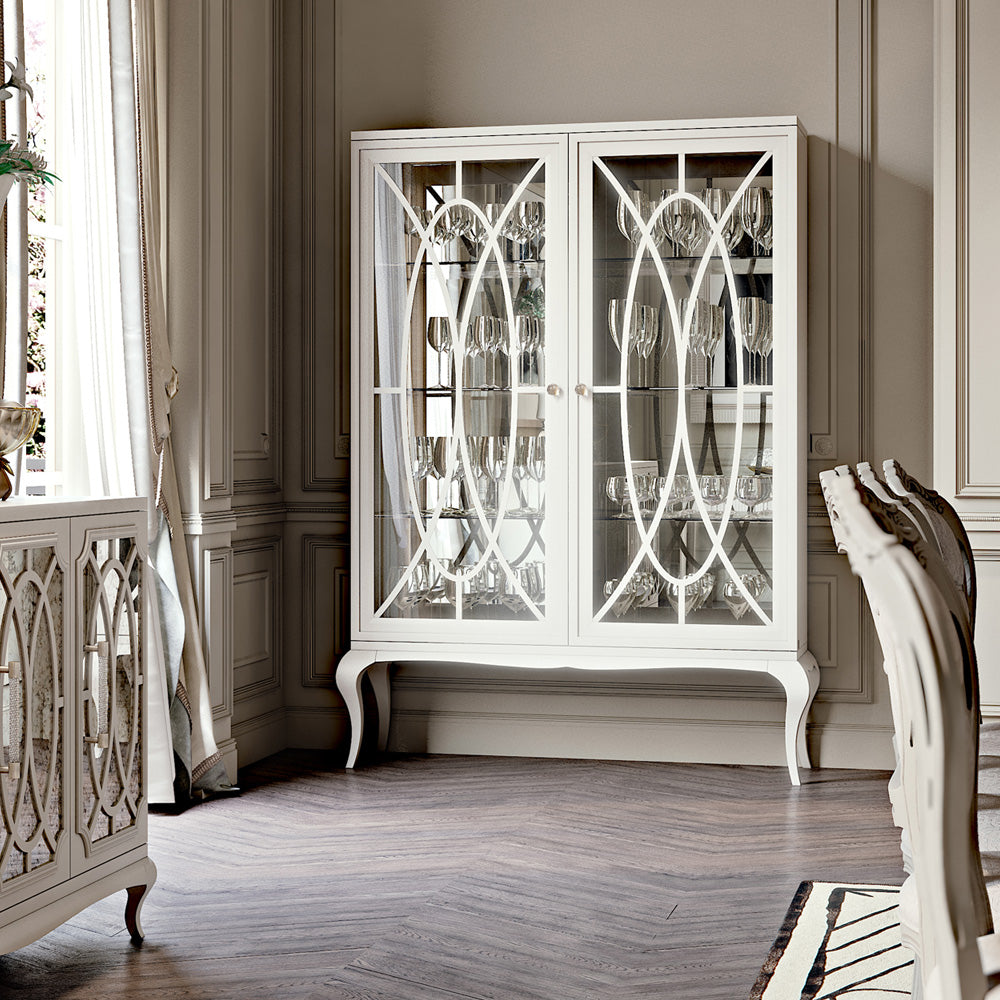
<point x="442" y="878"/>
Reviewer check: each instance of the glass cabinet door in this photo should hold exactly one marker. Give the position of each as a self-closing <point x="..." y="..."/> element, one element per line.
<point x="463" y="425"/>
<point x="682" y="257"/>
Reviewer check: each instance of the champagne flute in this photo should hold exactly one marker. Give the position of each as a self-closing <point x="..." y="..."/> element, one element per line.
<point x="717" y="201"/>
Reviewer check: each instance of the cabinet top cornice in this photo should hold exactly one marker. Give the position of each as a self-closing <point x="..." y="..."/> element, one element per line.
<point x="687" y="124"/>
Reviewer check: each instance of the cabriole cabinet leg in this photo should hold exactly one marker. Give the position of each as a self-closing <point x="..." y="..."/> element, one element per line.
<point x="133" y="906"/>
<point x="350" y="670"/>
<point x="800" y="681"/>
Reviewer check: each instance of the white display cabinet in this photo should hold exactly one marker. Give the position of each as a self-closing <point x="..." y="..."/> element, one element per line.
<point x="578" y="412"/>
<point x="72" y="713"/>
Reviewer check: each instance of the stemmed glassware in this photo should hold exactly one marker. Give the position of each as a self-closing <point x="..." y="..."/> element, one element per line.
<point x="756" y="216"/>
<point x="695" y="594"/>
<point x="422" y="458"/>
<point x="705" y="332"/>
<point x="712" y="489"/>
<point x="753" y="490"/>
<point x="528" y="330"/>
<point x="616" y="488"/>
<point x="497" y="450"/>
<point x="681" y="223"/>
<point x="420" y="585"/>
<point x="439" y="339"/>
<point x="717" y="201"/>
<point x="756" y="331"/>
<point x="644" y="332"/>
<point x="441" y="447"/>
<point x="734" y="597"/>
<point x="628" y="223"/>
<point x="536" y="468"/>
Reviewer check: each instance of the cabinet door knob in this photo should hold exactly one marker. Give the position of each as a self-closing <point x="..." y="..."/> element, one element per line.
<point x="581" y="389"/>
<point x="553" y="390"/>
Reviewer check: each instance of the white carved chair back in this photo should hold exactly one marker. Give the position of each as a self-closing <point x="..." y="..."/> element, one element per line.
<point x="946" y="526"/>
<point x="933" y="658"/>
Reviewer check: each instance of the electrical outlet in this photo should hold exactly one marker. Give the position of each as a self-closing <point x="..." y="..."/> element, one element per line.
<point x="342" y="449"/>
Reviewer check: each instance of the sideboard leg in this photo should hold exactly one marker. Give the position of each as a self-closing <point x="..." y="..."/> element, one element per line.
<point x="800" y="681"/>
<point x="133" y="906"/>
<point x="379" y="676"/>
<point x="350" y="670"/>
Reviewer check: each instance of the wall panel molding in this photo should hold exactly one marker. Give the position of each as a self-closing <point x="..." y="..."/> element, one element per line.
<point x="217" y="321"/>
<point x="258" y="634"/>
<point x="325" y="405"/>
<point x="325" y="599"/>
<point x="255" y="175"/>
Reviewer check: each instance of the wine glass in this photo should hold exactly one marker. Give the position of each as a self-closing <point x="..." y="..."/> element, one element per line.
<point x="753" y="490"/>
<point x="497" y="451"/>
<point x="500" y="344"/>
<point x="681" y="492"/>
<point x="734" y="596"/>
<point x="695" y="593"/>
<point x="645" y="485"/>
<point x="647" y="334"/>
<point x="617" y="490"/>
<point x="493" y="211"/>
<point x="536" y="467"/>
<point x="439" y="339"/>
<point x="528" y="330"/>
<point x="754" y="315"/>
<point x="757" y="219"/>
<point x="717" y="200"/>
<point x="712" y="489"/>
<point x="442" y="446"/>
<point x="522" y="451"/>
<point x="680" y="222"/>
<point x="477" y="466"/>
<point x="633" y="210"/>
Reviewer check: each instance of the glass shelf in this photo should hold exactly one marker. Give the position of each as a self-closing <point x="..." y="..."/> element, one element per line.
<point x="717" y="391"/>
<point x="467" y="390"/>
<point x="687" y="265"/>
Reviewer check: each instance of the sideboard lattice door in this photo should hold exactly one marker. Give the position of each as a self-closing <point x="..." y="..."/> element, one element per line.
<point x="32" y="717"/>
<point x="109" y="742"/>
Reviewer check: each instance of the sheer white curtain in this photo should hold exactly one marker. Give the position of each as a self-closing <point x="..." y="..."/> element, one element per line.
<point x="98" y="357"/>
<point x="114" y="376"/>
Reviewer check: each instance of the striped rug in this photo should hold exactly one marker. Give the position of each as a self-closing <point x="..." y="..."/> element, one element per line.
<point x="838" y="941"/>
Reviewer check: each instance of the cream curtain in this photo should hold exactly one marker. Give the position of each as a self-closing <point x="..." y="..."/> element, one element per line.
<point x="153" y="381"/>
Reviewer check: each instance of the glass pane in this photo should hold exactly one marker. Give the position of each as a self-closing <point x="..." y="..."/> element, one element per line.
<point x="682" y="354"/>
<point x="459" y="430"/>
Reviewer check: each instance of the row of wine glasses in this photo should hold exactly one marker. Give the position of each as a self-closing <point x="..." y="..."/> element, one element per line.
<point x="643" y="332"/>
<point x="755" y="326"/>
<point x="644" y="587"/>
<point x="683" y="224"/>
<point x="489" y="338"/>
<point x="708" y="324"/>
<point x="489" y="457"/>
<point x="641" y="590"/>
<point x="751" y="491"/>
<point x="524" y="225"/>
<point x="492" y="584"/>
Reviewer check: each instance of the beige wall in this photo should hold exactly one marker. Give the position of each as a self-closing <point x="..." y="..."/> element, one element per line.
<point x="967" y="356"/>
<point x="858" y="75"/>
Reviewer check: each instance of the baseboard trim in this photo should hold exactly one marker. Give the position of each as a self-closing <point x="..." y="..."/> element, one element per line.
<point x="678" y="740"/>
<point x="260" y="736"/>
